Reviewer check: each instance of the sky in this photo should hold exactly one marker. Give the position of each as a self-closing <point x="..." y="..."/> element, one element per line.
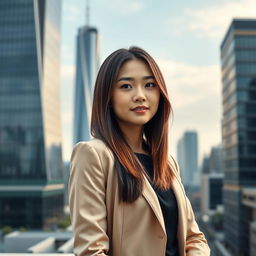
<point x="183" y="37"/>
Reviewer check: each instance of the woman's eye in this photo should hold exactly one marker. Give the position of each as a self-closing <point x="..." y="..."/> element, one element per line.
<point x="126" y="86"/>
<point x="150" y="85"/>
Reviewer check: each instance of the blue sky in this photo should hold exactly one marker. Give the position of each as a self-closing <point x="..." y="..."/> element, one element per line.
<point x="184" y="38"/>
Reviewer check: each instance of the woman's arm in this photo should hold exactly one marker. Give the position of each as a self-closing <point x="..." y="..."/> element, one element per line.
<point x="196" y="244"/>
<point x="87" y="202"/>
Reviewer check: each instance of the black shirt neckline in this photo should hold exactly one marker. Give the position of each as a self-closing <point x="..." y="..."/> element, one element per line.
<point x="142" y="154"/>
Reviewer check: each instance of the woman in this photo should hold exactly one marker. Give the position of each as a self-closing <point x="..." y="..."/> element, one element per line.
<point x="125" y="193"/>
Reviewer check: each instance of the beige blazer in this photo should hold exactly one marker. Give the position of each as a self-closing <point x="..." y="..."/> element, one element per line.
<point x="102" y="225"/>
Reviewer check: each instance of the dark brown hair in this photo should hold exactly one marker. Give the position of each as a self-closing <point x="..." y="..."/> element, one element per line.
<point x="105" y="127"/>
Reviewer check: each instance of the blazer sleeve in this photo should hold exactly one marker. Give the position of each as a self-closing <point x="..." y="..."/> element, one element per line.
<point x="196" y="244"/>
<point x="87" y="202"/>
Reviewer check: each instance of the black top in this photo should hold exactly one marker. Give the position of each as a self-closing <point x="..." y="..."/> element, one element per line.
<point x="169" y="208"/>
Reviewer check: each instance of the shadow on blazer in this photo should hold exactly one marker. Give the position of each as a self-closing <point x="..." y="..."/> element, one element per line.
<point x="103" y="225"/>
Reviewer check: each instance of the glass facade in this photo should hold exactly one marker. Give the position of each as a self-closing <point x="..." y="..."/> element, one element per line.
<point x="215" y="195"/>
<point x="187" y="157"/>
<point x="87" y="65"/>
<point x="30" y="211"/>
<point x="238" y="58"/>
<point x="30" y="139"/>
<point x="21" y="125"/>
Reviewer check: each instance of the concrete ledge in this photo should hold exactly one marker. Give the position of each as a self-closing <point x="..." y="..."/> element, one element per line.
<point x="37" y="254"/>
<point x="45" y="246"/>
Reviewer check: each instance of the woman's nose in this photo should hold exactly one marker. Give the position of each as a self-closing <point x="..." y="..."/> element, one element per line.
<point x="139" y="95"/>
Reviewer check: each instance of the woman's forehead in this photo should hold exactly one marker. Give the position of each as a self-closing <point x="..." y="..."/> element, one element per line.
<point x="135" y="67"/>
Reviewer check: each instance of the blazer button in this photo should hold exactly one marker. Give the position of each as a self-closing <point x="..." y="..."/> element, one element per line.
<point x="160" y="236"/>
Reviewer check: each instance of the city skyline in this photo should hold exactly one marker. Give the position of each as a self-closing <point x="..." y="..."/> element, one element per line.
<point x="214" y="103"/>
<point x="185" y="41"/>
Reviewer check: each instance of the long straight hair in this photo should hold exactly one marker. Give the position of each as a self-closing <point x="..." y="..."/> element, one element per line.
<point x="104" y="126"/>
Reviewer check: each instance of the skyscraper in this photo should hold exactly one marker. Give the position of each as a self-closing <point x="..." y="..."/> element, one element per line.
<point x="31" y="169"/>
<point x="211" y="192"/>
<point x="215" y="160"/>
<point x="188" y="158"/>
<point x="211" y="181"/>
<point x="87" y="65"/>
<point x="238" y="58"/>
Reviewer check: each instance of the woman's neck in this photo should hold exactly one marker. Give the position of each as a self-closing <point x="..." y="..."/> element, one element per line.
<point x="134" y="137"/>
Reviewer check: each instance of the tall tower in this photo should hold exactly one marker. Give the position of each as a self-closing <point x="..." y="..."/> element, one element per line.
<point x="188" y="158"/>
<point x="87" y="66"/>
<point x="238" y="58"/>
<point x="31" y="169"/>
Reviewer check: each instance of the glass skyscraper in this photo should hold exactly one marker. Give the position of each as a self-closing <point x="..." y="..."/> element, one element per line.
<point x="187" y="156"/>
<point x="238" y="58"/>
<point x="87" y="65"/>
<point x="31" y="168"/>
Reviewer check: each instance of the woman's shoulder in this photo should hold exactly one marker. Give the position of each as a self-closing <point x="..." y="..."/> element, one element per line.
<point x="92" y="147"/>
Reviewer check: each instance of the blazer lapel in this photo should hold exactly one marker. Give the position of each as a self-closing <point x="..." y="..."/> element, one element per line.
<point x="181" y="201"/>
<point x="151" y="197"/>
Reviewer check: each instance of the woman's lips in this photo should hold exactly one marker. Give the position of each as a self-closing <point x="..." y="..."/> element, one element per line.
<point x="140" y="110"/>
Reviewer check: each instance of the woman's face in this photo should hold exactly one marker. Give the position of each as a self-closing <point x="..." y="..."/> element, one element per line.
<point x="136" y="95"/>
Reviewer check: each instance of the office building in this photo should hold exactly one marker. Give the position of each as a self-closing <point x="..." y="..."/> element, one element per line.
<point x="216" y="160"/>
<point x="187" y="157"/>
<point x="87" y="65"/>
<point x="205" y="165"/>
<point x="238" y="59"/>
<point x="66" y="180"/>
<point x="31" y="169"/>
<point x="211" y="192"/>
<point x="249" y="201"/>
<point x="212" y="181"/>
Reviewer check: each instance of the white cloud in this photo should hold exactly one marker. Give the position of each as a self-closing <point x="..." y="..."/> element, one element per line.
<point x="213" y="21"/>
<point x="187" y="83"/>
<point x="195" y="94"/>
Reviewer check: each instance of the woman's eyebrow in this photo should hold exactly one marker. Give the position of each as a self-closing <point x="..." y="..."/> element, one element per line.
<point x="148" y="77"/>
<point x="131" y="79"/>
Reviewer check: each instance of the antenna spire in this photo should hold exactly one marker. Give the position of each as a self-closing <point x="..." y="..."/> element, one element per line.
<point x="87" y="16"/>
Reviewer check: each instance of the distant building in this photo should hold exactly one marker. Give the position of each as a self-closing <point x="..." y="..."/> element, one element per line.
<point x="238" y="58"/>
<point x="87" y="65"/>
<point x="205" y="165"/>
<point x="187" y="157"/>
<point x="212" y="181"/>
<point x="31" y="169"/>
<point x="249" y="201"/>
<point x="66" y="179"/>
<point x="211" y="192"/>
<point x="216" y="160"/>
